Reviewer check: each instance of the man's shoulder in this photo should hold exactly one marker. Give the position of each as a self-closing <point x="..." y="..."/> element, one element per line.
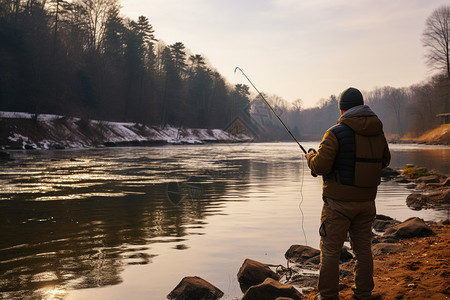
<point x="340" y="128"/>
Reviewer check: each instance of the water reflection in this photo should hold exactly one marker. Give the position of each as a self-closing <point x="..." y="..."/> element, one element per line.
<point x="431" y="157"/>
<point x="72" y="224"/>
<point x="83" y="243"/>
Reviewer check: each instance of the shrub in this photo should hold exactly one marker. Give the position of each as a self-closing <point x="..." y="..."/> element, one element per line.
<point x="413" y="172"/>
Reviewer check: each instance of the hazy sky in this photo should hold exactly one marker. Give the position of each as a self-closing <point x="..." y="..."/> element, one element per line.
<point x="308" y="49"/>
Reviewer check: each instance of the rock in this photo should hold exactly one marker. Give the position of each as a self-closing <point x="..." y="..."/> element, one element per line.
<point x="389" y="173"/>
<point x="439" y="196"/>
<point x="445" y="222"/>
<point x="412" y="227"/>
<point x="385" y="239"/>
<point x="402" y="179"/>
<point x="300" y="253"/>
<point x="381" y="225"/>
<point x="411" y="186"/>
<point x="385" y="248"/>
<point x="435" y="197"/>
<point x="446" y="196"/>
<point x="312" y="262"/>
<point x="345" y="255"/>
<point x="428" y="179"/>
<point x="420" y="185"/>
<point x="306" y="255"/>
<point x="5" y="156"/>
<point x="109" y="144"/>
<point x="383" y="217"/>
<point x="305" y="280"/>
<point x="253" y="272"/>
<point x="445" y="183"/>
<point x="195" y="288"/>
<point x="417" y="201"/>
<point x="271" y="289"/>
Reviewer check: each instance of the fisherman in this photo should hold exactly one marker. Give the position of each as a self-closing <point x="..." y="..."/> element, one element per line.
<point x="350" y="158"/>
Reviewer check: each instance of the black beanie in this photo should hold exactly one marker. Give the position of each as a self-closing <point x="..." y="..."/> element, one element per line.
<point x="349" y="98"/>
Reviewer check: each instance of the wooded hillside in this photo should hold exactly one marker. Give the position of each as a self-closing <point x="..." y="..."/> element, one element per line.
<point x="84" y="59"/>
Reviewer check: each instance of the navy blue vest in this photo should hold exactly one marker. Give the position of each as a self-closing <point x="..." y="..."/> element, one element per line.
<point x="345" y="160"/>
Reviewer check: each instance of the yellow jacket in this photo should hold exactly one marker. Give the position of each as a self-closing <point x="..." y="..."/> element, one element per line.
<point x="372" y="154"/>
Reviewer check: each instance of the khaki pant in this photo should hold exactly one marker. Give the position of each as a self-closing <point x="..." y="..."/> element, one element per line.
<point x="338" y="218"/>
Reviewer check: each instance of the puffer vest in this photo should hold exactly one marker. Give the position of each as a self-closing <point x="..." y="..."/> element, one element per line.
<point x="347" y="161"/>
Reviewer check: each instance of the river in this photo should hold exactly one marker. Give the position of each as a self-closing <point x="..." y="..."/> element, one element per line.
<point x="117" y="223"/>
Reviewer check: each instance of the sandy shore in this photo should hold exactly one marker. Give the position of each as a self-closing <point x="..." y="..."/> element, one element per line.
<point x="419" y="271"/>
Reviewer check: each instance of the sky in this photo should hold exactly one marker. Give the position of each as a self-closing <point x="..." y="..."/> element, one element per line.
<point x="299" y="49"/>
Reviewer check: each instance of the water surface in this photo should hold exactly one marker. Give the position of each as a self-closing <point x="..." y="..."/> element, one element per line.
<point x="132" y="222"/>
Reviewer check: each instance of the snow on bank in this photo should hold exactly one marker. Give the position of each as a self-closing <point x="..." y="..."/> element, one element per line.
<point x="27" y="131"/>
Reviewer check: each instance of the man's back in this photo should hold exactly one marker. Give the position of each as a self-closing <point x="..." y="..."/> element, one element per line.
<point x="351" y="156"/>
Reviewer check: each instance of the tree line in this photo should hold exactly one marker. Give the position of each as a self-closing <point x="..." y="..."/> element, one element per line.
<point x="82" y="58"/>
<point x="404" y="111"/>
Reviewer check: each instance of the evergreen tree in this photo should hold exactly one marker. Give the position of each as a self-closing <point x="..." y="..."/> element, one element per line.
<point x="179" y="57"/>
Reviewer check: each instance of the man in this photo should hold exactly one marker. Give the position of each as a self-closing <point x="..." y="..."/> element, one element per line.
<point x="350" y="158"/>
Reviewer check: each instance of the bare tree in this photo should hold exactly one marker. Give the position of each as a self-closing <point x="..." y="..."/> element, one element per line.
<point x="95" y="14"/>
<point x="436" y="39"/>
<point x="298" y="104"/>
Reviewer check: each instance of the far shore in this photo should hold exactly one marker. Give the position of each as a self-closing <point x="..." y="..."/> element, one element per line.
<point x="437" y="136"/>
<point x="23" y="131"/>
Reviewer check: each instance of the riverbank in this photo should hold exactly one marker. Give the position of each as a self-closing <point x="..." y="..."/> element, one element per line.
<point x="413" y="265"/>
<point x="27" y="131"/>
<point x="440" y="136"/>
<point x="418" y="270"/>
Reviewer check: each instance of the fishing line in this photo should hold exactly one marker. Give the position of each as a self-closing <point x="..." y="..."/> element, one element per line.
<point x="301" y="200"/>
<point x="295" y="139"/>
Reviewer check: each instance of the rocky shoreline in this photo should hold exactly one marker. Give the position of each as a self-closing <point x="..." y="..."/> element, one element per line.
<point x="411" y="262"/>
<point x="411" y="258"/>
<point x="429" y="189"/>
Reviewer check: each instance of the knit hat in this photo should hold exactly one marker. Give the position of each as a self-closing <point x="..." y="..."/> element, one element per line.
<point x="349" y="98"/>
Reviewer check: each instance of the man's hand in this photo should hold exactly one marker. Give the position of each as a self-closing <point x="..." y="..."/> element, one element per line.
<point x="311" y="151"/>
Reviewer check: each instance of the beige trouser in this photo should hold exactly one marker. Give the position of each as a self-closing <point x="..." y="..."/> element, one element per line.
<point x="338" y="218"/>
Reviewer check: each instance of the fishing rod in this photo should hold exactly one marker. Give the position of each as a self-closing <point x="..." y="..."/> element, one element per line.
<point x="270" y="106"/>
<point x="288" y="270"/>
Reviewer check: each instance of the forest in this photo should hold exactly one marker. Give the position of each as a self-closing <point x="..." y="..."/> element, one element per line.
<point x="84" y="59"/>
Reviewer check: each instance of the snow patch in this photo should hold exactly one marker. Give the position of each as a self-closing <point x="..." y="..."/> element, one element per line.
<point x="55" y="131"/>
<point x="16" y="137"/>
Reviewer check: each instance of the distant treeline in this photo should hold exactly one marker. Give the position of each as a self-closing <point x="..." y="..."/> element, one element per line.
<point x="404" y="111"/>
<point x="82" y="58"/>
